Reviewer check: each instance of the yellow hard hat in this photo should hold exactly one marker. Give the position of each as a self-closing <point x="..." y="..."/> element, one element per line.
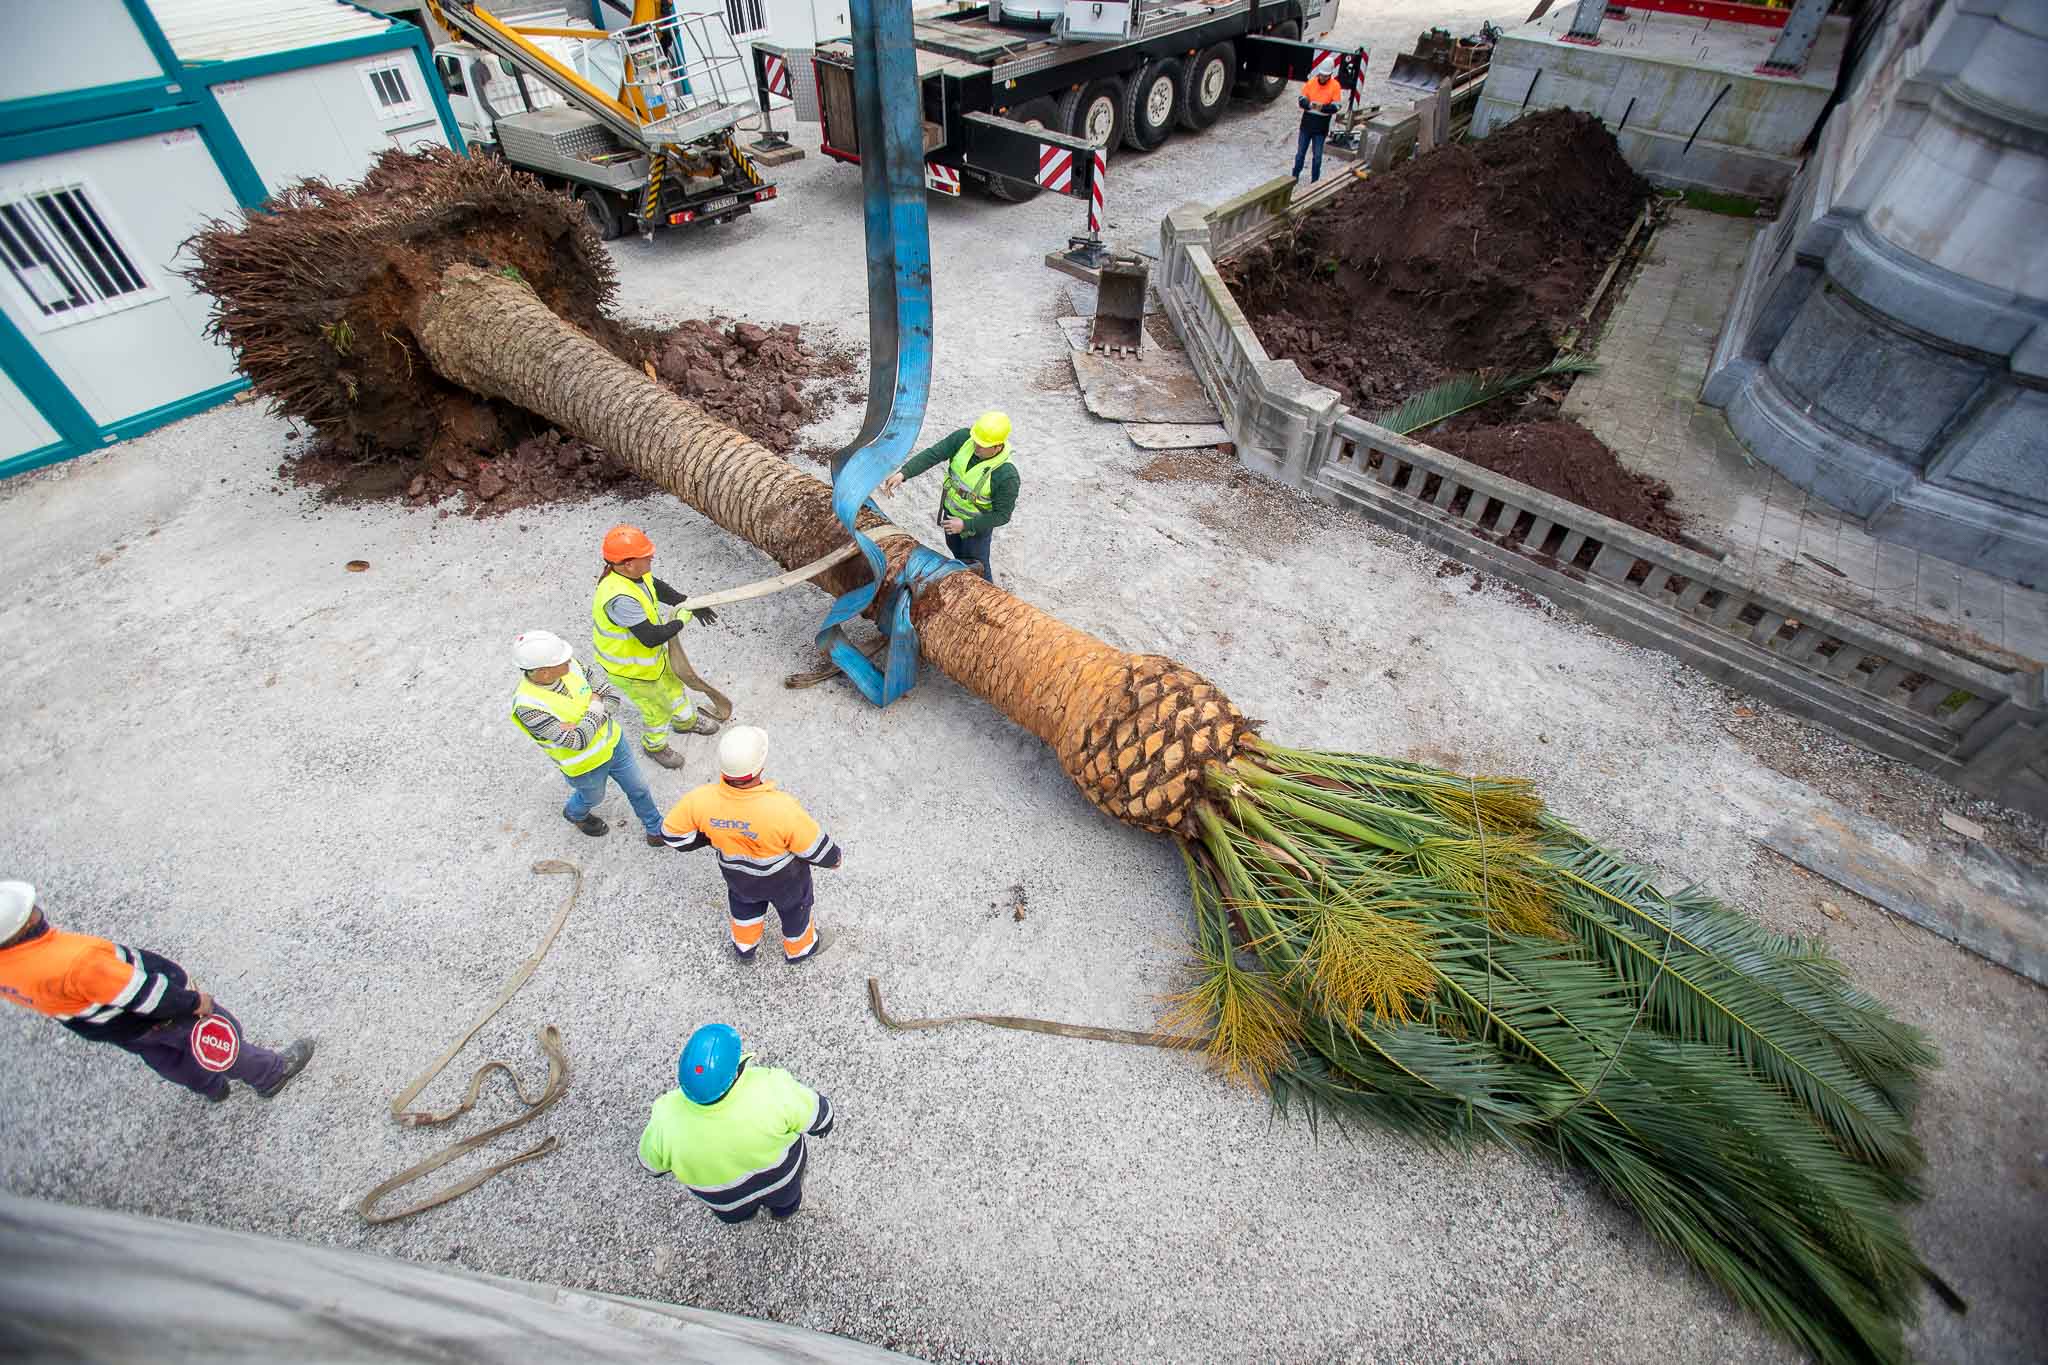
<point x="992" y="428"/>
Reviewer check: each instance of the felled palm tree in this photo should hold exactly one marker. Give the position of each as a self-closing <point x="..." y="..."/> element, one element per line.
<point x="1377" y="940"/>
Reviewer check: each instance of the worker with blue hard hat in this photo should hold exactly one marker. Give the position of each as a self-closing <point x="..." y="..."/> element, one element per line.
<point x="981" y="486"/>
<point x="732" y="1133"/>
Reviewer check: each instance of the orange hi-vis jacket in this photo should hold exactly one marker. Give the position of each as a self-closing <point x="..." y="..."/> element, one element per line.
<point x="97" y="989"/>
<point x="757" y="830"/>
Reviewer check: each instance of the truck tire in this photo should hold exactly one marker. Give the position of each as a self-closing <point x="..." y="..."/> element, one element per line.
<point x="603" y="213"/>
<point x="1039" y="113"/>
<point x="1205" y="87"/>
<point x="1266" y="89"/>
<point x="1152" y="104"/>
<point x="1098" y="105"/>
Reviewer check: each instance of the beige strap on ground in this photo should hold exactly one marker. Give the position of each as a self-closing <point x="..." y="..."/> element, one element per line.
<point x="557" y="1085"/>
<point x="1101" y="1035"/>
<point x="718" y="704"/>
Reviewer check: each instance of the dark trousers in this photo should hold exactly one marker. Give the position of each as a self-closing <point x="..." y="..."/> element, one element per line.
<point x="1302" y="143"/>
<point x="789" y="891"/>
<point x="973" y="550"/>
<point x="787" y="1201"/>
<point x="167" y="1049"/>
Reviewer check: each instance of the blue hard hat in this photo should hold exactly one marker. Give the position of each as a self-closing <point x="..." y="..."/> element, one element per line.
<point x="709" y="1064"/>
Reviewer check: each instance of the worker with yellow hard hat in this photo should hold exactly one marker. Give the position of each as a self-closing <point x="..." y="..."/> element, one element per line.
<point x="981" y="486"/>
<point x="630" y="638"/>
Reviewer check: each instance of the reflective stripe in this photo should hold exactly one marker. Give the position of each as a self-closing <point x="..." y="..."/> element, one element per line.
<point x="136" y="976"/>
<point x="752" y="867"/>
<point x="155" y="996"/>
<point x="792" y="1156"/>
<point x="568" y="702"/>
<point x="817" y="847"/>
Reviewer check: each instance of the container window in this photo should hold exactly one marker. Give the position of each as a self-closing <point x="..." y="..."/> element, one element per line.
<point x="64" y="257"/>
<point x="391" y="88"/>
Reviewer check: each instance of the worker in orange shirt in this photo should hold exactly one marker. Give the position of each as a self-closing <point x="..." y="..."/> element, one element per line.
<point x="140" y="1001"/>
<point x="1319" y="99"/>
<point x="766" y="843"/>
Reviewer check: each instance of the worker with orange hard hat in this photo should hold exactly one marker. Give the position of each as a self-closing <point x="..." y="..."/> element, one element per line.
<point x="631" y="641"/>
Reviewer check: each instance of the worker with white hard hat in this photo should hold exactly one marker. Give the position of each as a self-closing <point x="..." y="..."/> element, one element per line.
<point x="137" y="1000"/>
<point x="559" y="709"/>
<point x="766" y="843"/>
<point x="980" y="493"/>
<point x="631" y="641"/>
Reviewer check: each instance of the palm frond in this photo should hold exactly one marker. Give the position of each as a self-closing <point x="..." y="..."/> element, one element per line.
<point x="1467" y="391"/>
<point x="1391" y="943"/>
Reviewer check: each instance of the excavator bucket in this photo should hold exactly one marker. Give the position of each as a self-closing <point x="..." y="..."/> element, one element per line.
<point x="1120" y="305"/>
<point x="1419" y="73"/>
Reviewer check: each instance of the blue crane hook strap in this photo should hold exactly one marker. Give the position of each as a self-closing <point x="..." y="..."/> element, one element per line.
<point x="888" y="113"/>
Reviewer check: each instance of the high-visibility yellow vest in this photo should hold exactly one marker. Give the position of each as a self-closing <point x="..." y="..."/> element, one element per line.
<point x="739" y="1150"/>
<point x="619" y="649"/>
<point x="968" y="495"/>
<point x="568" y="706"/>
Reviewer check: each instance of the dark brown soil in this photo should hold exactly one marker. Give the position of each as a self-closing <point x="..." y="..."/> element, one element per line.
<point x="1473" y="257"/>
<point x="1565" y="460"/>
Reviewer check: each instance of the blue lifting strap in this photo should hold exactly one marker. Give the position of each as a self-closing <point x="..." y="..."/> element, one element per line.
<point x="888" y="113"/>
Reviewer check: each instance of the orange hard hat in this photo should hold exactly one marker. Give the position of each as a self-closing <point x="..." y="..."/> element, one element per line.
<point x="626" y="542"/>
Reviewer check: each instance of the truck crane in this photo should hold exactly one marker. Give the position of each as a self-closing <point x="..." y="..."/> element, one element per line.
<point x="637" y="123"/>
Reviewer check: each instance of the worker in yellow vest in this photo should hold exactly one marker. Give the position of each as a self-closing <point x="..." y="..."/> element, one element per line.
<point x="981" y="487"/>
<point x="631" y="641"/>
<point x="560" y="710"/>
<point x="733" y="1132"/>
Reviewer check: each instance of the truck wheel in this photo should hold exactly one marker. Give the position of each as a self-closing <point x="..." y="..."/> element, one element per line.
<point x="1152" y="104"/>
<point x="603" y="213"/>
<point x="1038" y="113"/>
<point x="1095" y="112"/>
<point x="1205" y="87"/>
<point x="1266" y="89"/>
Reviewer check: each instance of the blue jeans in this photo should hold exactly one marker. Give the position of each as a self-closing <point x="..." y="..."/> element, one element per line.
<point x="970" y="549"/>
<point x="1306" y="140"/>
<point x="586" y="791"/>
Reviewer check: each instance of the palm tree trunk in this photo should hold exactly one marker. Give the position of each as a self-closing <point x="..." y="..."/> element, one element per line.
<point x="1133" y="730"/>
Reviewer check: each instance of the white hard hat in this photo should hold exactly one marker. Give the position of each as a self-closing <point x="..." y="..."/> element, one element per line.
<point x="17" y="903"/>
<point x="539" y="649"/>
<point x="743" y="751"/>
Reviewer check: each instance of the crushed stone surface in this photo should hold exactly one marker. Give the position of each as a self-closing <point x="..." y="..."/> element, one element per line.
<point x="301" y="782"/>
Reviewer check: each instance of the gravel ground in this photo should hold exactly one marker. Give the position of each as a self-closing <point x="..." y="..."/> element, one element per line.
<point x="300" y="781"/>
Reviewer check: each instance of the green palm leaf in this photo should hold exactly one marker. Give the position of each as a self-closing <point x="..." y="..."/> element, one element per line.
<point x="1467" y="391"/>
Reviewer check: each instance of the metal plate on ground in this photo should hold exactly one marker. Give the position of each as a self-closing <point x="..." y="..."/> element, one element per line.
<point x="1175" y="435"/>
<point x="1979" y="899"/>
<point x="1156" y="385"/>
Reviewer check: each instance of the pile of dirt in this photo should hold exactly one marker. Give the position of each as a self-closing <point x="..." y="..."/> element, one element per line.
<point x="1567" y="461"/>
<point x="1472" y="257"/>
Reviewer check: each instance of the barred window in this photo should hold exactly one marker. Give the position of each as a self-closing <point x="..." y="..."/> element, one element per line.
<point x="391" y="89"/>
<point x="744" y="17"/>
<point x="65" y="258"/>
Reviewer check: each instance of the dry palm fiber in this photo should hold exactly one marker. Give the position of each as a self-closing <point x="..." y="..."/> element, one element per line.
<point x="1378" y="940"/>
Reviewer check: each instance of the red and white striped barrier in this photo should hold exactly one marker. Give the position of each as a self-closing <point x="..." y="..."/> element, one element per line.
<point x="1055" y="167"/>
<point x="778" y="74"/>
<point x="1096" y="182"/>
<point x="941" y="179"/>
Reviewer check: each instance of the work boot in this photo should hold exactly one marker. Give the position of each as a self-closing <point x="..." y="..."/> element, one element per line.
<point x="295" y="1058"/>
<point x="218" y="1096"/>
<point x="818" y="947"/>
<point x="667" y="756"/>
<point x="656" y="841"/>
<point x="745" y="955"/>
<point x="589" y="824"/>
<point x="703" y="725"/>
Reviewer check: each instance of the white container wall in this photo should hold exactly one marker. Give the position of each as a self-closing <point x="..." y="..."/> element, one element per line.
<point x="331" y="120"/>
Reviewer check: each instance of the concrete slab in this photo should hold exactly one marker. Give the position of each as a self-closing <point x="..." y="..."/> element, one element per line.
<point x="1994" y="905"/>
<point x="1175" y="435"/>
<point x="1156" y="385"/>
